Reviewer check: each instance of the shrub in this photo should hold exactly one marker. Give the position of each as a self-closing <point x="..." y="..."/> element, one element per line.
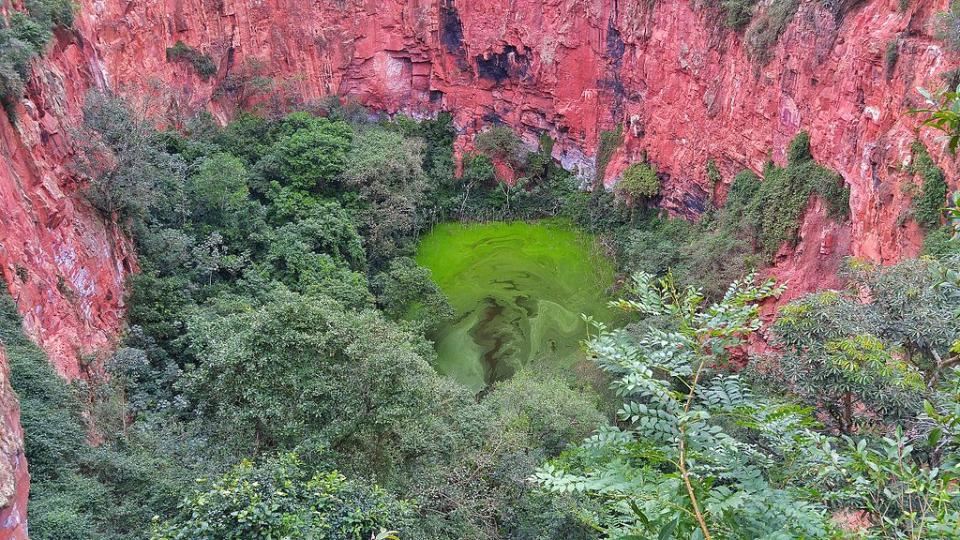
<point x="639" y="182"/>
<point x="129" y="171"/>
<point x="739" y="13"/>
<point x="948" y="26"/>
<point x="890" y="57"/>
<point x="609" y="142"/>
<point x="765" y="30"/>
<point x="203" y="63"/>
<point x="282" y="498"/>
<point x="928" y="207"/>
<point x="713" y="173"/>
<point x="500" y="142"/>
<point x="407" y="292"/>
<point x="775" y="209"/>
<point x="941" y="243"/>
<point x="22" y="37"/>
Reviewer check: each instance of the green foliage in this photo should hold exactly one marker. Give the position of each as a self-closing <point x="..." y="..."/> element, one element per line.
<point x="609" y="142"/>
<point x="773" y="213"/>
<point x="387" y="170"/>
<point x="834" y="361"/>
<point x="78" y="491"/>
<point x="639" y="182"/>
<point x="23" y="36"/>
<point x="500" y="142"/>
<point x="406" y="292"/>
<point x="943" y="111"/>
<point x="713" y="173"/>
<point x="948" y="26"/>
<point x="244" y="83"/>
<point x="765" y="30"/>
<point x="928" y="207"/>
<point x="907" y="498"/>
<point x="739" y="13"/>
<point x="310" y="152"/>
<point x="128" y="170"/>
<point x="941" y="243"/>
<point x="302" y="368"/>
<point x="890" y="57"/>
<point x="885" y="354"/>
<point x="202" y="63"/>
<point x="282" y="498"/>
<point x="678" y="467"/>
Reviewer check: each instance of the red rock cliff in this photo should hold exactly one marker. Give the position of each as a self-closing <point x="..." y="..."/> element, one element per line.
<point x="682" y="86"/>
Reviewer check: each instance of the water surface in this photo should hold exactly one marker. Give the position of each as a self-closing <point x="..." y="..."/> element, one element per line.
<point x="518" y="290"/>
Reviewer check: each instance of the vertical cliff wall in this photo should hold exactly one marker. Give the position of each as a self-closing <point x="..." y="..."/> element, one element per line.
<point x="684" y="88"/>
<point x="681" y="84"/>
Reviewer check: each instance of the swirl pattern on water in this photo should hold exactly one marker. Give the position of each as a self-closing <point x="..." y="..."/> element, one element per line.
<point x="518" y="290"/>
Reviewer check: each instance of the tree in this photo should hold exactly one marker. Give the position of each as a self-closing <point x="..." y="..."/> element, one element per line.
<point x="310" y="154"/>
<point x="407" y="292"/>
<point x="301" y="369"/>
<point x="699" y="454"/>
<point x="218" y="191"/>
<point x="129" y="173"/>
<point x="639" y="182"/>
<point x="888" y="353"/>
<point x="501" y="143"/>
<point x="833" y="361"/>
<point x="387" y="170"/>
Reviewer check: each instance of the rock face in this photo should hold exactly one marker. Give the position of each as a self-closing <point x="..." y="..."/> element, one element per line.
<point x="684" y="89"/>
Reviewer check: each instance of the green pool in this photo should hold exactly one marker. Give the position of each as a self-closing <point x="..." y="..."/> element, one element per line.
<point x="518" y="290"/>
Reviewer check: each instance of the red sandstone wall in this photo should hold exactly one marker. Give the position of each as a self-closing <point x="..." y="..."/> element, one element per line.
<point x="684" y="89"/>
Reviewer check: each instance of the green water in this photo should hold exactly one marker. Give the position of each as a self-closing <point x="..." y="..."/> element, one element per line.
<point x="518" y="290"/>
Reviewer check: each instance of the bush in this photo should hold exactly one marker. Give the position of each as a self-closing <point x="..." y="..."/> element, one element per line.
<point x="928" y="207"/>
<point x="772" y="210"/>
<point x="22" y="37"/>
<point x="407" y="292"/>
<point x="739" y="13"/>
<point x="890" y="57"/>
<point x="941" y="243"/>
<point x="609" y="142"/>
<point x="948" y="26"/>
<point x="639" y="182"/>
<point x="203" y="63"/>
<point x="130" y="173"/>
<point x="500" y="142"/>
<point x="765" y="30"/>
<point x="282" y="498"/>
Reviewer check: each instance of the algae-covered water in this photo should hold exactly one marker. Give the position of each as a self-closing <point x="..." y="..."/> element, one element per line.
<point x="518" y="290"/>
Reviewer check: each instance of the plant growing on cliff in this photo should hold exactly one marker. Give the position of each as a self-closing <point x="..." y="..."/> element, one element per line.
<point x="929" y="205"/>
<point x="202" y="63"/>
<point x="772" y="210"/>
<point x="501" y="143"/>
<point x="639" y="182"/>
<point x="23" y="36"/>
<point x="763" y="33"/>
<point x="609" y="142"/>
<point x="126" y="167"/>
<point x="948" y="26"/>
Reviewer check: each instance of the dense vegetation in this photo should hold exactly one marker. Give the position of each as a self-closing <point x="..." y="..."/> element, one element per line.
<point x="23" y="35"/>
<point x="273" y="383"/>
